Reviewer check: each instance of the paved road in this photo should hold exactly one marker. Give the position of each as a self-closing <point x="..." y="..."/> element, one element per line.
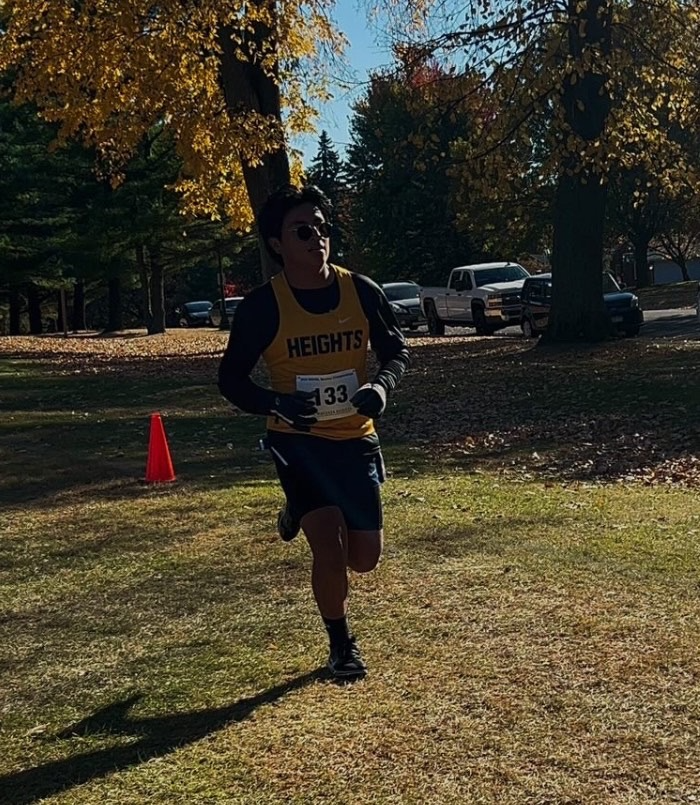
<point x="678" y="325"/>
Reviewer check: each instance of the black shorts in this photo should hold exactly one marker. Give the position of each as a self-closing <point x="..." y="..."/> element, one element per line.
<point x="316" y="472"/>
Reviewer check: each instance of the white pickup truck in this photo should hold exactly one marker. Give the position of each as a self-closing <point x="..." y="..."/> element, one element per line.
<point x="485" y="296"/>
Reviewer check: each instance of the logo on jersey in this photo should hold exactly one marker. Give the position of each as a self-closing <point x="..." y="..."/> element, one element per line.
<point x="304" y="346"/>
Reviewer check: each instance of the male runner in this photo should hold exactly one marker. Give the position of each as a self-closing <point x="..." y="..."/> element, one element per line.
<point x="312" y="324"/>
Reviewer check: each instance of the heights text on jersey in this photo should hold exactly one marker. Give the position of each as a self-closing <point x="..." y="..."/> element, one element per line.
<point x="325" y="354"/>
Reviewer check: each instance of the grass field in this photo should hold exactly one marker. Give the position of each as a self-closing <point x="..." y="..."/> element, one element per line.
<point x="532" y="630"/>
<point x="673" y="295"/>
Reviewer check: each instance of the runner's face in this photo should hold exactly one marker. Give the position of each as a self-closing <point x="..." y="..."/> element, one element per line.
<point x="304" y="221"/>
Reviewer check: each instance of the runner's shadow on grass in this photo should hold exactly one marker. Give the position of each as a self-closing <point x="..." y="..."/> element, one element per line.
<point x="158" y="736"/>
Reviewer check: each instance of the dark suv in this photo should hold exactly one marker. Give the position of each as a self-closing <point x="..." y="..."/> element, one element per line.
<point x="536" y="296"/>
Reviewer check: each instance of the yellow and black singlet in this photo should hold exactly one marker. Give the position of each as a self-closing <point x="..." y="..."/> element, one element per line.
<point x="322" y="353"/>
<point x="313" y="340"/>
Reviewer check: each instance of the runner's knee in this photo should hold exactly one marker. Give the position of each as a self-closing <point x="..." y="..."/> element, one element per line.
<point x="326" y="533"/>
<point x="363" y="564"/>
<point x="364" y="550"/>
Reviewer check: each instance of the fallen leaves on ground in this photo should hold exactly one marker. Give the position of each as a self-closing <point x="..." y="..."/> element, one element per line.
<point x="192" y="353"/>
<point x="625" y="411"/>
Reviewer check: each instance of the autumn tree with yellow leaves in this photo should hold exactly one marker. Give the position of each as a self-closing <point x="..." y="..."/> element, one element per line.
<point x="587" y="87"/>
<point x="231" y="82"/>
<point x="652" y="191"/>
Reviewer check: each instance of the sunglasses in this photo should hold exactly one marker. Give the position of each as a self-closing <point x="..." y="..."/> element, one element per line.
<point x="305" y="231"/>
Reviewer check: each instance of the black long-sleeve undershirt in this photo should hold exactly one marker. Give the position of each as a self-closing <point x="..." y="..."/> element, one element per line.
<point x="256" y="322"/>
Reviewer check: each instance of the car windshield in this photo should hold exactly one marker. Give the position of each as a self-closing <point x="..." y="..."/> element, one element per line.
<point x="610" y="284"/>
<point x="406" y="290"/>
<point x="503" y="274"/>
<point x="198" y="307"/>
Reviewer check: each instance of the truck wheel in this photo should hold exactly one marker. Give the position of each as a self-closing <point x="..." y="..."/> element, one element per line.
<point x="480" y="321"/>
<point x="527" y="328"/>
<point x="435" y="326"/>
<point x="630" y="332"/>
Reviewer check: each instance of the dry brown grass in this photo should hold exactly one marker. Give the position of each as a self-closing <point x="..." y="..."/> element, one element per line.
<point x="532" y="638"/>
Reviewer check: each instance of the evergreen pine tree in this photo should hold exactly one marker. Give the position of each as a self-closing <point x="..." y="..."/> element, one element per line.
<point x="327" y="172"/>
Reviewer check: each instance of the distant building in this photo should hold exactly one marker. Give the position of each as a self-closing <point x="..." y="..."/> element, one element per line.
<point x="665" y="271"/>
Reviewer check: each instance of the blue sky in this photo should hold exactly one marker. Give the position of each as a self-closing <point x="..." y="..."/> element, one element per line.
<point x="365" y="52"/>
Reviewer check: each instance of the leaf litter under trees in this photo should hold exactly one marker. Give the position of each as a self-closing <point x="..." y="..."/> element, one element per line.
<point x="628" y="411"/>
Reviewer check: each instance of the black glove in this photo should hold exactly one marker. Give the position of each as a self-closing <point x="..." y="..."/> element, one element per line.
<point x="298" y="409"/>
<point x="370" y="400"/>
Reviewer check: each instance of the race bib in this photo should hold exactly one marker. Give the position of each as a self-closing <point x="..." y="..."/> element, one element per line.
<point x="332" y="393"/>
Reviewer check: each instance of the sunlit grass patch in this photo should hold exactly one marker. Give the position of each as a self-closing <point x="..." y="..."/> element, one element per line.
<point x="531" y="637"/>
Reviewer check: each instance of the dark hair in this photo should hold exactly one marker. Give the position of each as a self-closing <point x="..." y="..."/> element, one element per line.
<point x="279" y="203"/>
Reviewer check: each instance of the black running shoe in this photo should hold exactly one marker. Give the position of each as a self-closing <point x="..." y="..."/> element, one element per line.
<point x="345" y="660"/>
<point x="287" y="526"/>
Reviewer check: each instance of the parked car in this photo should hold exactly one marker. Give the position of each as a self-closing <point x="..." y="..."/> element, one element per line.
<point x="536" y="297"/>
<point x="193" y="314"/>
<point x="485" y="296"/>
<point x="404" y="299"/>
<point x="232" y="303"/>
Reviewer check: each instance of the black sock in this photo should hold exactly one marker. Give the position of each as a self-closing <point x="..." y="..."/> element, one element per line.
<point x="338" y="630"/>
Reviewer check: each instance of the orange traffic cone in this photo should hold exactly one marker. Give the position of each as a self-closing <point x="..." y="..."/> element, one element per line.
<point x="159" y="468"/>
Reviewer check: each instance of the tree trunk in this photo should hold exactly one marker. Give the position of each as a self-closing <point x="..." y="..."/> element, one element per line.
<point x="578" y="311"/>
<point x="36" y="326"/>
<point x="157" y="292"/>
<point x="15" y="310"/>
<point x="147" y="314"/>
<point x="59" y="312"/>
<point x="680" y="259"/>
<point x="79" y="306"/>
<point x="64" y="311"/>
<point x="641" y="262"/>
<point x="249" y="89"/>
<point x="115" y="313"/>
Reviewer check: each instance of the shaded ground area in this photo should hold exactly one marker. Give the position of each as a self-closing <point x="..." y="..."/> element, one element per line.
<point x="677" y="324"/>
<point x="628" y="410"/>
<point x="675" y="295"/>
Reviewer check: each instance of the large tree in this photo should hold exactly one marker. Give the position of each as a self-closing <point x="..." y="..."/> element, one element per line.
<point x="60" y="228"/>
<point x="679" y="236"/>
<point x="638" y="210"/>
<point x="137" y="230"/>
<point x="230" y="81"/>
<point x="403" y="225"/>
<point x="566" y="63"/>
<point x="38" y="211"/>
<point x="658" y="176"/>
